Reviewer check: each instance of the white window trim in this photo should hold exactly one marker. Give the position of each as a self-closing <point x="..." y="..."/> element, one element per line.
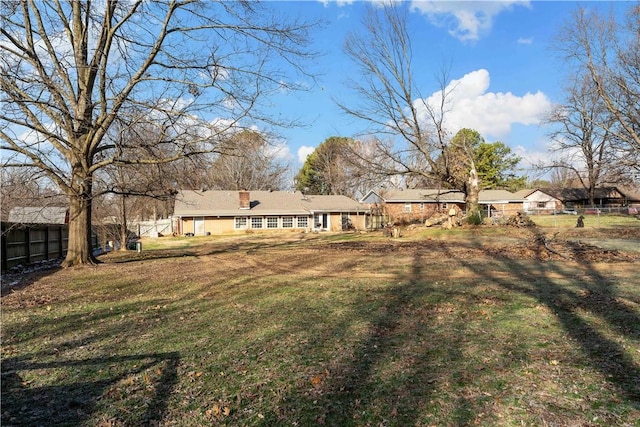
<point x="246" y="223"/>
<point x="292" y="218"/>
<point x="306" y="218"/>
<point x="261" y="222"/>
<point x="277" y="222"/>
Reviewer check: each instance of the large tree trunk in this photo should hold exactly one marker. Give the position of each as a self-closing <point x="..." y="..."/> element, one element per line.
<point x="124" y="231"/>
<point x="473" y="196"/>
<point x="80" y="248"/>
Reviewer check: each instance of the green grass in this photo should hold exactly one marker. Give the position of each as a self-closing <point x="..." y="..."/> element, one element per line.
<point x="327" y="330"/>
<point x="590" y="221"/>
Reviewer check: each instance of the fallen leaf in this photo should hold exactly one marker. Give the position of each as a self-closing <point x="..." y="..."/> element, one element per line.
<point x="317" y="380"/>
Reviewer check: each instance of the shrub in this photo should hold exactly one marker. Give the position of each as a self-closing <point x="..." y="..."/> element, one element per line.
<point x="474" y="218"/>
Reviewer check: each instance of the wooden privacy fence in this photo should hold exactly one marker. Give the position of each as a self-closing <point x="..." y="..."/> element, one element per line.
<point x="26" y="244"/>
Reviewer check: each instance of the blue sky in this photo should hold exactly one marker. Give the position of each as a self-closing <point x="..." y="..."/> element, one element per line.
<point x="499" y="52"/>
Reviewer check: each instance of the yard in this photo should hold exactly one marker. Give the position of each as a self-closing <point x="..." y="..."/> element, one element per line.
<point x="477" y="326"/>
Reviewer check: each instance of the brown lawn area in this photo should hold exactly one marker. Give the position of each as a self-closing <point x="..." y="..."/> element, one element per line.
<point x="480" y="326"/>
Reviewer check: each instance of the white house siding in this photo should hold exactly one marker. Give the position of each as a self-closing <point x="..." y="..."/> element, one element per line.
<point x="541" y="203"/>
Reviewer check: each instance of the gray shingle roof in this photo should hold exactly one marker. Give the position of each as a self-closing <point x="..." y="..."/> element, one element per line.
<point x="451" y="196"/>
<point x="316" y="203"/>
<point x="38" y="215"/>
<point x="422" y="195"/>
<point x="487" y="196"/>
<point x="576" y="194"/>
<point x="226" y="203"/>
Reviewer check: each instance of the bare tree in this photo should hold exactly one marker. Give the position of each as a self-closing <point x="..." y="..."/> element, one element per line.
<point x="412" y="130"/>
<point x="608" y="52"/>
<point x="26" y="188"/>
<point x="192" y="69"/>
<point x="126" y="188"/>
<point x="248" y="161"/>
<point x="581" y="133"/>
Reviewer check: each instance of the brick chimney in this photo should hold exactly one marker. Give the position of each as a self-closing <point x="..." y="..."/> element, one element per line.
<point x="245" y="201"/>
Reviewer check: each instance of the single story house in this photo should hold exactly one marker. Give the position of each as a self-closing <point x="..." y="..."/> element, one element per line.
<point x="411" y="205"/>
<point x="547" y="201"/>
<point x="225" y="211"/>
<point x="540" y="201"/>
<point x="500" y="203"/>
<point x="604" y="197"/>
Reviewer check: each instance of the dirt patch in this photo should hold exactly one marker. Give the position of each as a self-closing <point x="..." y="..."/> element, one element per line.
<point x="543" y="248"/>
<point x="537" y="246"/>
<point x="535" y="243"/>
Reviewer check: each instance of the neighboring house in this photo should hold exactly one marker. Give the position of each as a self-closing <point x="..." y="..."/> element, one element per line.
<point x="632" y="196"/>
<point x="413" y="205"/>
<point x="540" y="201"/>
<point x="500" y="203"/>
<point x="605" y="197"/>
<point x="547" y="201"/>
<point x="226" y="211"/>
<point x="39" y="215"/>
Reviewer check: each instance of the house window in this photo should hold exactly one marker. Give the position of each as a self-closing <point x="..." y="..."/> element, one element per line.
<point x="421" y="206"/>
<point x="241" y="222"/>
<point x="407" y="207"/>
<point x="256" y="222"/>
<point x="287" y="222"/>
<point x="542" y="205"/>
<point x="303" y="222"/>
<point x="272" y="222"/>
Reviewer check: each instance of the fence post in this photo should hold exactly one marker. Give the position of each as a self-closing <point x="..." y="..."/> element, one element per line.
<point x="47" y="230"/>
<point x="27" y="238"/>
<point x="60" y="234"/>
<point x="5" y="265"/>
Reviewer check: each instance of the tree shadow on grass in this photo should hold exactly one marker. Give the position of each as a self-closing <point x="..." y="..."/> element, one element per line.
<point x="596" y="298"/>
<point x="139" y="385"/>
<point x="389" y="376"/>
<point x="212" y="248"/>
<point x="366" y="386"/>
<point x="21" y="277"/>
<point x="593" y="294"/>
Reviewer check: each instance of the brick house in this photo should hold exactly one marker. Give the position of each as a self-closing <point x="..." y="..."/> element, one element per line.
<point x="417" y="205"/>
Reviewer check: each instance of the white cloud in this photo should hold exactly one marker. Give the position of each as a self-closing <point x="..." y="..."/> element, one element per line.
<point x="280" y="151"/>
<point x="522" y="40"/>
<point x="303" y="152"/>
<point x="340" y="3"/>
<point x="465" y="20"/>
<point x="531" y="158"/>
<point x="470" y="105"/>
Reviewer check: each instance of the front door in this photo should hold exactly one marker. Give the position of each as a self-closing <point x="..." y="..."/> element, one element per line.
<point x="321" y="221"/>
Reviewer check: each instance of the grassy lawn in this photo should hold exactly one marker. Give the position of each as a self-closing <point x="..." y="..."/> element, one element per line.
<point x="335" y="330"/>
<point x="590" y="221"/>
